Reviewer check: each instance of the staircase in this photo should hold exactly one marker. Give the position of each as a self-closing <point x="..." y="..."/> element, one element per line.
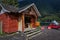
<point x="32" y="33"/>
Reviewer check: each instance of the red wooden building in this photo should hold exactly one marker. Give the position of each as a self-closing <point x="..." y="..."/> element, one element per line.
<point x="15" y="19"/>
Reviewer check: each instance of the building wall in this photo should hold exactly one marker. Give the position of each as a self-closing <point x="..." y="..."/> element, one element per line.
<point x="5" y="22"/>
<point x="13" y="24"/>
<point x="9" y="25"/>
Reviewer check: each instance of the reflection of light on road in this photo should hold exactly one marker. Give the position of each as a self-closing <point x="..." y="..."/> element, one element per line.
<point x="49" y="27"/>
<point x="43" y="27"/>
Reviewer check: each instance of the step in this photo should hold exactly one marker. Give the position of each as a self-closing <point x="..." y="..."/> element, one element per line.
<point x="31" y="31"/>
<point x="34" y="33"/>
<point x="30" y="36"/>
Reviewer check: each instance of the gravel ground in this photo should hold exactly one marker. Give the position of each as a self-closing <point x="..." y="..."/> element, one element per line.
<point x="19" y="36"/>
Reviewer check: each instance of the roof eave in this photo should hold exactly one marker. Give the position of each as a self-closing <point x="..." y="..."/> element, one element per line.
<point x="34" y="6"/>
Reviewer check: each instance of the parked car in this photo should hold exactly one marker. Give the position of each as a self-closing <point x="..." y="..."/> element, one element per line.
<point x="54" y="26"/>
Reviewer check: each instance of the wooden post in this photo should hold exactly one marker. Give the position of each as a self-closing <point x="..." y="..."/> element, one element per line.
<point x="0" y="27"/>
<point x="23" y="23"/>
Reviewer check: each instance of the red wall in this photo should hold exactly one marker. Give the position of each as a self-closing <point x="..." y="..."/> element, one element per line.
<point x="9" y="25"/>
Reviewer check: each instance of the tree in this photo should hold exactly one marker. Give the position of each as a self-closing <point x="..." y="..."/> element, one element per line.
<point x="10" y="2"/>
<point x="50" y="18"/>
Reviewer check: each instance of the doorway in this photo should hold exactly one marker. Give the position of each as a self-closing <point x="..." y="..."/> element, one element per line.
<point x="27" y="21"/>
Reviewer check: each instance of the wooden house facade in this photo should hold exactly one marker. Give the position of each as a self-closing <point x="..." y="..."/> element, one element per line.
<point x="18" y="19"/>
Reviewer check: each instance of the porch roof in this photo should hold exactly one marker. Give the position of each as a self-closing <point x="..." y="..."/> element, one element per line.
<point x="28" y="6"/>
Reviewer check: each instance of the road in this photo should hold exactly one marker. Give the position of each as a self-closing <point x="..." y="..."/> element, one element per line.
<point x="48" y="34"/>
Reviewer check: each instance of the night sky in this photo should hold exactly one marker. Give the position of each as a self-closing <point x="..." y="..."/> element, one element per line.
<point x="44" y="6"/>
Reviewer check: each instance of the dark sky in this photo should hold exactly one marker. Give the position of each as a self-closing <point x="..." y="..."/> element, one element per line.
<point x="50" y="6"/>
<point x="55" y="4"/>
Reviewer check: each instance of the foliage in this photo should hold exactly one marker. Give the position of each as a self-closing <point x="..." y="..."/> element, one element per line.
<point x="11" y="2"/>
<point x="50" y="18"/>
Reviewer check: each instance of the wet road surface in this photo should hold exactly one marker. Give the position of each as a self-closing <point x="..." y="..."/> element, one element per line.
<point x="48" y="34"/>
